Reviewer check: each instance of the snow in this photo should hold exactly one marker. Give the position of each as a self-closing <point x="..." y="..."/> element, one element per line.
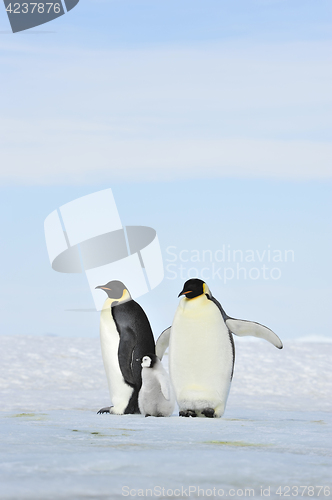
<point x="275" y="431"/>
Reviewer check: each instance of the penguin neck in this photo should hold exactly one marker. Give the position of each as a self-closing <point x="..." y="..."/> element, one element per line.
<point x="188" y="304"/>
<point x="126" y="297"/>
<point x="206" y="290"/>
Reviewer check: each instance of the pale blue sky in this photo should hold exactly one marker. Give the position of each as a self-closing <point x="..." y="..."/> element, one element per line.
<point x="210" y="122"/>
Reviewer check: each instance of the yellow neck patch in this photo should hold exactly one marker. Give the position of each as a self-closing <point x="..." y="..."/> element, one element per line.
<point x="109" y="301"/>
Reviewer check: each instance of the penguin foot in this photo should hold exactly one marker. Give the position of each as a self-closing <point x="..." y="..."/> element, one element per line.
<point x="107" y="409"/>
<point x="208" y="412"/>
<point x="187" y="413"/>
<point x="148" y="415"/>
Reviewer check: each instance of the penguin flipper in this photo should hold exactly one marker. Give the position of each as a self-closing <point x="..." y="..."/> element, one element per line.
<point x="163" y="342"/>
<point x="164" y="384"/>
<point x="125" y="354"/>
<point x="244" y="328"/>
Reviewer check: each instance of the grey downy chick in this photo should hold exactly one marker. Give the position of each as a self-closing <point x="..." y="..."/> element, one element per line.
<point x="156" y="397"/>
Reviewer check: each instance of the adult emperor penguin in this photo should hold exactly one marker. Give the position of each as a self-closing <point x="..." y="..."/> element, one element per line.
<point x="201" y="350"/>
<point x="156" y="397"/>
<point x="125" y="336"/>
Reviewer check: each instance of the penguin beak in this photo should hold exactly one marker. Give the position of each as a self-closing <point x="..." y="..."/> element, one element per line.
<point x="102" y="287"/>
<point x="184" y="293"/>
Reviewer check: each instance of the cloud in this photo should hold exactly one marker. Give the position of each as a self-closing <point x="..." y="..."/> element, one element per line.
<point x="231" y="109"/>
<point x="87" y="157"/>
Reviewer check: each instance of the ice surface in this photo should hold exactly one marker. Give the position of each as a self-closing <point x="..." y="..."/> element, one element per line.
<point x="275" y="432"/>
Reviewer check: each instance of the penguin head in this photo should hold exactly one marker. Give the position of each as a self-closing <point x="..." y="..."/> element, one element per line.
<point x="115" y="290"/>
<point x="149" y="360"/>
<point x="193" y="288"/>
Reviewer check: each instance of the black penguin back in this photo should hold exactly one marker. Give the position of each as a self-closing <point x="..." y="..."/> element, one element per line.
<point x="130" y="317"/>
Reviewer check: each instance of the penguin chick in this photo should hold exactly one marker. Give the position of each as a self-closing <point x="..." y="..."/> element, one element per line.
<point x="156" y="396"/>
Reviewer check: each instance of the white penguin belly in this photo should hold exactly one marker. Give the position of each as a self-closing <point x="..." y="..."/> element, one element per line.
<point x="120" y="392"/>
<point x="200" y="356"/>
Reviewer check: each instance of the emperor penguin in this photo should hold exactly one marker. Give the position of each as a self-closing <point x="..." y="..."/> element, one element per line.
<point x="125" y="336"/>
<point x="201" y="350"/>
<point x="156" y="397"/>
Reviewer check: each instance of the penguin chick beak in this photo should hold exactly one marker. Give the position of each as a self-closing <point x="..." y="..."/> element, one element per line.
<point x="183" y="293"/>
